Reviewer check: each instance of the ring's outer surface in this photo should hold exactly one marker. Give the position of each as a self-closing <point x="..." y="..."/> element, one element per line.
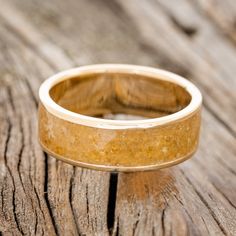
<point x="115" y="145"/>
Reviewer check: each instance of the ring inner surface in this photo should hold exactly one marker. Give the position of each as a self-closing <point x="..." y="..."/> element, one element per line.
<point x="120" y="96"/>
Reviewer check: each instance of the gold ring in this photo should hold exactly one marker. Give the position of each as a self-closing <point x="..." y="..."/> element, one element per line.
<point x="118" y="117"/>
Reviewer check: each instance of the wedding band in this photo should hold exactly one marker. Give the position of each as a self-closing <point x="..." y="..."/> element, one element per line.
<point x="83" y="116"/>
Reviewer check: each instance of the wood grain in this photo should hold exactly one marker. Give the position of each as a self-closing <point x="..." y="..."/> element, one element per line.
<point x="40" y="195"/>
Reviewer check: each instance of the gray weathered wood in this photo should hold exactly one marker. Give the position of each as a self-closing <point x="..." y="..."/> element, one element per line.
<point x="40" y="195"/>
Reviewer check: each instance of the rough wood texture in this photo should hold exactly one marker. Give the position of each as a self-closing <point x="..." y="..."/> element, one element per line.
<point x="39" y="195"/>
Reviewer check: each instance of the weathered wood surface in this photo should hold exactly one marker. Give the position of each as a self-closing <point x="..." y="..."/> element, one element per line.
<point x="39" y="195"/>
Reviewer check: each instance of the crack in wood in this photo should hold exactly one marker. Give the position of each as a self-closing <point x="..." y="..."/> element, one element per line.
<point x="7" y="141"/>
<point x="70" y="200"/>
<point x="40" y="208"/>
<point x="136" y="223"/>
<point x="163" y="221"/>
<point x="153" y="231"/>
<point x="46" y="194"/>
<point x="21" y="152"/>
<point x="205" y="225"/>
<point x="111" y="206"/>
<point x="38" y="199"/>
<point x="184" y="208"/>
<point x="87" y="202"/>
<point x="2" y="199"/>
<point x="36" y="223"/>
<point x="14" y="207"/>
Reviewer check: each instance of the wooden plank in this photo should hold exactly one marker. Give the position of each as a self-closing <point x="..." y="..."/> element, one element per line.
<point x="39" y="195"/>
<point x="195" y="198"/>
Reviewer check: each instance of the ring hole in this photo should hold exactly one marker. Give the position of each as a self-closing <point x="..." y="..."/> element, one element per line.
<point x="120" y="96"/>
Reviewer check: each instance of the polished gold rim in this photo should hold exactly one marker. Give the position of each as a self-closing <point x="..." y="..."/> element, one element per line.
<point x="117" y="168"/>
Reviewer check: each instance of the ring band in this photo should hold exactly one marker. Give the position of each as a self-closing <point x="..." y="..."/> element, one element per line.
<point x="164" y="109"/>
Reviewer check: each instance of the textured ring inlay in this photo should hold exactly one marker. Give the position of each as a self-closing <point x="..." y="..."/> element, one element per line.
<point x="77" y="125"/>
